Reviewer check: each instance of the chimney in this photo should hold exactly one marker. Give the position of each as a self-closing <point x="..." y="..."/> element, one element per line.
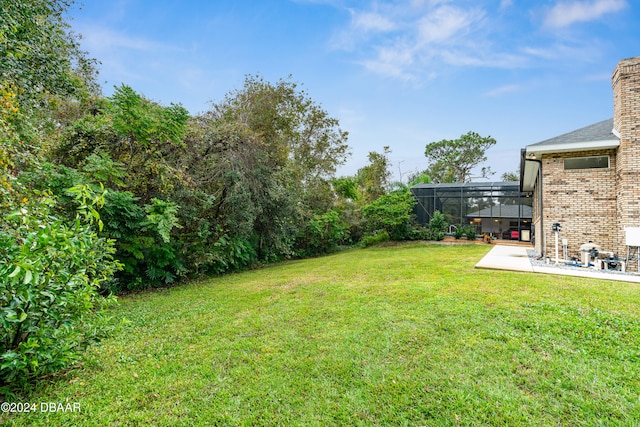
<point x="626" y="125"/>
<point x="626" y="99"/>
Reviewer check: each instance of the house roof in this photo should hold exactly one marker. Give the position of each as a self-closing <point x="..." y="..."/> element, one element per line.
<point x="598" y="136"/>
<point x="601" y="131"/>
<point x="503" y="211"/>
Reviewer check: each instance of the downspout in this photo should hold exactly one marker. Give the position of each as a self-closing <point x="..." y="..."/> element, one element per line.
<point x="524" y="159"/>
<point x="542" y="242"/>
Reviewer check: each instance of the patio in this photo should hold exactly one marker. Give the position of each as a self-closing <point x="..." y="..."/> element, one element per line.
<point x="518" y="258"/>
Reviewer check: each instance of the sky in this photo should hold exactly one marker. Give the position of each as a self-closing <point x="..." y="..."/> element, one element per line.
<point x="394" y="73"/>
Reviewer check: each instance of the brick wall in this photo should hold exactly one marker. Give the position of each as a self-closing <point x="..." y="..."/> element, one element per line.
<point x="583" y="201"/>
<point x="626" y="118"/>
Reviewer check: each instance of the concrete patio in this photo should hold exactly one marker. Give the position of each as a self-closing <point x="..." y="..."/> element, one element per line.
<point x="516" y="258"/>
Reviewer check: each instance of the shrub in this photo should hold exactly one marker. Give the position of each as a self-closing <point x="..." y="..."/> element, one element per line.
<point x="142" y="240"/>
<point x="470" y="232"/>
<point x="323" y="234"/>
<point x="376" y="239"/>
<point x="49" y="279"/>
<point x="419" y="232"/>
<point x="229" y="254"/>
<point x="393" y="213"/>
<point x="438" y="223"/>
<point x="436" y="235"/>
<point x="459" y="232"/>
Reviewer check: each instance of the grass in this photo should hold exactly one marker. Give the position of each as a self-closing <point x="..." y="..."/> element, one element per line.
<point x="399" y="335"/>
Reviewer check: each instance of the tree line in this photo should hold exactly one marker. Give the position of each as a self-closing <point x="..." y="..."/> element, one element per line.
<point x="107" y="194"/>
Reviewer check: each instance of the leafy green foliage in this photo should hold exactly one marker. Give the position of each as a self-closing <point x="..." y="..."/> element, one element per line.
<point x="393" y="213"/>
<point x="453" y="160"/>
<point x="161" y="216"/>
<point x="437" y="227"/>
<point x="49" y="278"/>
<point x="469" y="231"/>
<point x="230" y="254"/>
<point x="323" y="234"/>
<point x="123" y="144"/>
<point x="373" y="178"/>
<point x="40" y="55"/>
<point x="510" y="176"/>
<point x="142" y="239"/>
<point x="419" y="178"/>
<point x="438" y="223"/>
<point x="143" y="122"/>
<point x="378" y="238"/>
<point x="346" y="187"/>
<point x="52" y="261"/>
<point x="458" y="232"/>
<point x="258" y="167"/>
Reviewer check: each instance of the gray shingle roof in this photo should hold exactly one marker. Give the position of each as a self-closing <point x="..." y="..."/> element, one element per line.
<point x="601" y="131"/>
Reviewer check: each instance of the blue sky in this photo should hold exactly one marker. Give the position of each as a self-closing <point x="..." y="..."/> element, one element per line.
<point x="396" y="73"/>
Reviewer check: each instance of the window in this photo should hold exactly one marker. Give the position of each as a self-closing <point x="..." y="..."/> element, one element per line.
<point x="594" y="162"/>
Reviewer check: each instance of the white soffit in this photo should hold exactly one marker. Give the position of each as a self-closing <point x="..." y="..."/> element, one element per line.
<point x="537" y="151"/>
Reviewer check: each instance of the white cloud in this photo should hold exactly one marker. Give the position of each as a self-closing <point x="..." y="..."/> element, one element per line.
<point x="393" y="62"/>
<point x="470" y="58"/>
<point x="403" y="41"/>
<point x="505" y="4"/>
<point x="371" y="21"/>
<point x="101" y="39"/>
<point x="566" y="13"/>
<point x="410" y="40"/>
<point x="446" y="23"/>
<point x="126" y="58"/>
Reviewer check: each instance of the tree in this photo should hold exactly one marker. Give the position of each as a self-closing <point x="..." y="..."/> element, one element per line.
<point x="40" y="56"/>
<point x="41" y="67"/>
<point x="453" y="160"/>
<point x="511" y="176"/>
<point x="51" y="265"/>
<point x="278" y="151"/>
<point x="374" y="177"/>
<point x="259" y="166"/>
<point x="134" y="135"/>
<point x="419" y="178"/>
<point x="123" y="143"/>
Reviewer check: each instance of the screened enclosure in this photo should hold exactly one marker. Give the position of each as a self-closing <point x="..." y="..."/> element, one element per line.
<point x="498" y="209"/>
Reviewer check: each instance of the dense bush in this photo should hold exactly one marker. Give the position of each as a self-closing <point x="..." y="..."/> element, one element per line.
<point x="469" y="232"/>
<point x="438" y="222"/>
<point x="142" y="238"/>
<point x="49" y="281"/>
<point x="376" y="239"/>
<point x="393" y="213"/>
<point x="323" y="234"/>
<point x="437" y="226"/>
<point x="459" y="232"/>
<point x="252" y="180"/>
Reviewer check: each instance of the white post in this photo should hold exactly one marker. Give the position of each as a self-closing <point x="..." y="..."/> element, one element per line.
<point x="557" y="256"/>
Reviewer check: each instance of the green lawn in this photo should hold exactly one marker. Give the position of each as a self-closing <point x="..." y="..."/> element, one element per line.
<point x="399" y="335"/>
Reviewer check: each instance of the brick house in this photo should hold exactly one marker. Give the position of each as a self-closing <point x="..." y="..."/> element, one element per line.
<point x="588" y="180"/>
